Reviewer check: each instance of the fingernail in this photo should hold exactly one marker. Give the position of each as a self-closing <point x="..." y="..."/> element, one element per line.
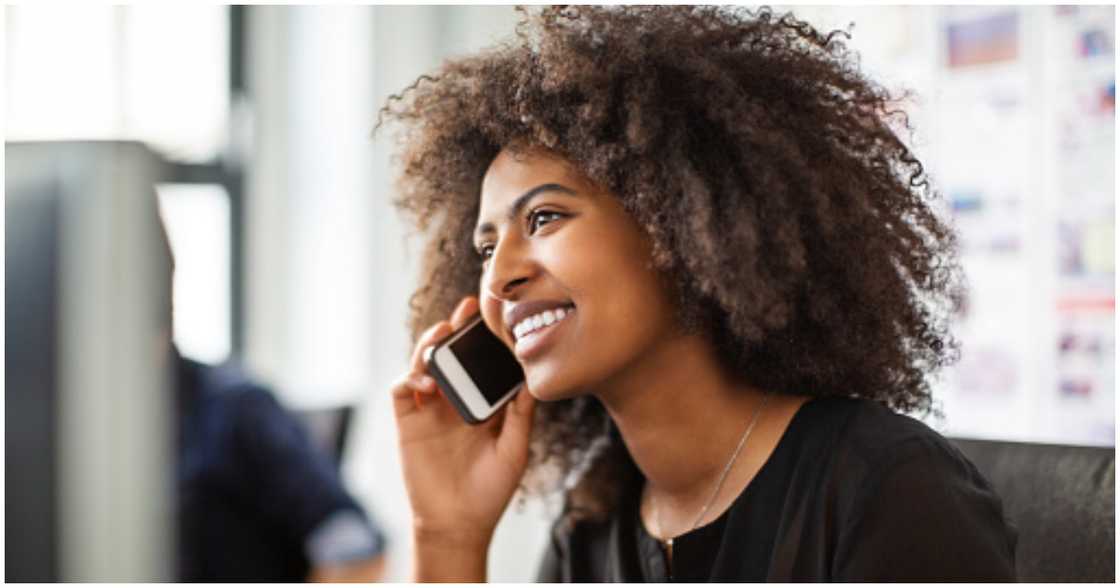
<point x="419" y="381"/>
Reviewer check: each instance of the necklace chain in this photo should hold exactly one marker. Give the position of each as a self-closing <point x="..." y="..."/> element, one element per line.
<point x="719" y="483"/>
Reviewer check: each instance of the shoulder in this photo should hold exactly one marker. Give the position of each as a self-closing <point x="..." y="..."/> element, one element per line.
<point x="884" y="440"/>
<point x="577" y="551"/>
<point x="217" y="401"/>
<point x="908" y="503"/>
<point x="250" y="413"/>
<point x="590" y="548"/>
<point x="864" y="434"/>
<point x="867" y="443"/>
<point x="915" y="507"/>
<point x="893" y="466"/>
<point x="231" y="383"/>
<point x="229" y="389"/>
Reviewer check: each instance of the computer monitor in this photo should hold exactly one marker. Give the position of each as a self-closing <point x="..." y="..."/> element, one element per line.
<point x="89" y="476"/>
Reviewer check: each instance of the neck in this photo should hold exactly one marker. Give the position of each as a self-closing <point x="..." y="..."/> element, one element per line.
<point x="681" y="416"/>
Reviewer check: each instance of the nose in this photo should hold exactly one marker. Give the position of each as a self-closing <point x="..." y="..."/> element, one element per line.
<point x="508" y="270"/>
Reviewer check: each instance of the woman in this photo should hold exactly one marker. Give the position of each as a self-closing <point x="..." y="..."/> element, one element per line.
<point x="751" y="278"/>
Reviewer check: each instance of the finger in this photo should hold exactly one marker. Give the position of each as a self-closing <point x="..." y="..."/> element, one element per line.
<point x="403" y="393"/>
<point x="408" y="391"/>
<point x="432" y="336"/>
<point x="467" y="308"/>
<point x="405" y="383"/>
<point x="422" y="385"/>
<point x="421" y="342"/>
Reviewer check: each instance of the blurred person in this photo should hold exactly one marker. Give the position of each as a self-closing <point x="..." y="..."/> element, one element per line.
<point x="754" y="286"/>
<point x="257" y="500"/>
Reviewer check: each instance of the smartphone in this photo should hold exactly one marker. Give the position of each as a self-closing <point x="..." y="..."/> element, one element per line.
<point x="476" y="371"/>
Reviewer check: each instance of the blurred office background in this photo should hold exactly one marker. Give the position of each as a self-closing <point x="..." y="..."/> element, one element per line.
<point x="254" y="124"/>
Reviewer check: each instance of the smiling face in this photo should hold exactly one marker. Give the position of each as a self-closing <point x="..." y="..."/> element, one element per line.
<point x="567" y="279"/>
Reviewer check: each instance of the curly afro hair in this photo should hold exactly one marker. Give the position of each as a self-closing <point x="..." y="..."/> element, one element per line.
<point x="797" y="229"/>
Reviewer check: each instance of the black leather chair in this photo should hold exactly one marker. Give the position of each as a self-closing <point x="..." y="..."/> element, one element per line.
<point x="1062" y="500"/>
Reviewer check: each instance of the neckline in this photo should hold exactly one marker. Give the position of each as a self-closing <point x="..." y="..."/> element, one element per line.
<point x="719" y="520"/>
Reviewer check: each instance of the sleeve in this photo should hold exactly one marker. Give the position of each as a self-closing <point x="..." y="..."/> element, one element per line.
<point x="295" y="486"/>
<point x="925" y="514"/>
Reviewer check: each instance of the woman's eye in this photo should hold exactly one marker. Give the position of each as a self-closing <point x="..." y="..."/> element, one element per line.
<point x="536" y="219"/>
<point x="539" y="218"/>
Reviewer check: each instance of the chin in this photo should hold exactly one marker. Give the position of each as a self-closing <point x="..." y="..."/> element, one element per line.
<point x="547" y="386"/>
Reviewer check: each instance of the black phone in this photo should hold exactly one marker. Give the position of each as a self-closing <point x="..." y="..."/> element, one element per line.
<point x="476" y="371"/>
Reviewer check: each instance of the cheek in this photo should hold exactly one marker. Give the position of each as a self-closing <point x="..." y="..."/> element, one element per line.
<point x="633" y="312"/>
<point x="622" y="308"/>
<point x="621" y="302"/>
<point x="491" y="310"/>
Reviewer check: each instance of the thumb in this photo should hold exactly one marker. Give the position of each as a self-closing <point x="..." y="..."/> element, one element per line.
<point x="513" y="440"/>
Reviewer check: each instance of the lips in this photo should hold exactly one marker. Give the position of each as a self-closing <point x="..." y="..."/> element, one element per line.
<point x="540" y="320"/>
<point x="536" y="340"/>
<point x="520" y="311"/>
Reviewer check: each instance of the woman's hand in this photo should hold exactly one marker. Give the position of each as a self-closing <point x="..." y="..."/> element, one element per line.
<point x="459" y="477"/>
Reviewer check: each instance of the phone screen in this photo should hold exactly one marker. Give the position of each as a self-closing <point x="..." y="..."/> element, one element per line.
<point x="488" y="362"/>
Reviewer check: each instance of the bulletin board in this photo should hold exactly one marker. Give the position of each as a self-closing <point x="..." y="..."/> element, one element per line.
<point x="1013" y="110"/>
<point x="1025" y="111"/>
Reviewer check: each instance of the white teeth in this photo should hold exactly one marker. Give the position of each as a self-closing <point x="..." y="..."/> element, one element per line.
<point x="537" y="321"/>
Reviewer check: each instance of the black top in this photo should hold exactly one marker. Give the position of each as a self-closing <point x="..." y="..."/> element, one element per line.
<point x="853" y="491"/>
<point x="253" y="488"/>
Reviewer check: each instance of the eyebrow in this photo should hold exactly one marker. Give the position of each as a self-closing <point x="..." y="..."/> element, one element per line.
<point x="521" y="202"/>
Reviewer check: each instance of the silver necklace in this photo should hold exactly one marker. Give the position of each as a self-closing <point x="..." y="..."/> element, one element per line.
<point x="719" y="484"/>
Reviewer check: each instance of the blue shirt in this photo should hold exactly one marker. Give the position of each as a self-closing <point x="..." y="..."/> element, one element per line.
<point x="257" y="500"/>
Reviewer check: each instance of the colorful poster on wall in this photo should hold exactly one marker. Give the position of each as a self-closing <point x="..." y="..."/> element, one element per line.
<point x="1026" y="159"/>
<point x="1079" y="403"/>
<point x="986" y="39"/>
